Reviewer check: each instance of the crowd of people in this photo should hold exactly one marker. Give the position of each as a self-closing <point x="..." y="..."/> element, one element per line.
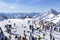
<point x="44" y="26"/>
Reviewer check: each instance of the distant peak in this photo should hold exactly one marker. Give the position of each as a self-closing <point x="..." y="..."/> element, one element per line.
<point x="53" y="11"/>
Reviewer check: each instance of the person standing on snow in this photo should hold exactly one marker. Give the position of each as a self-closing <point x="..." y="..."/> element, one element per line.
<point x="30" y="37"/>
<point x="50" y="36"/>
<point x="24" y="36"/>
<point x="10" y="37"/>
<point x="19" y="38"/>
<point x="32" y="28"/>
<point x="14" y="24"/>
<point x="28" y="21"/>
<point x="53" y="38"/>
<point x="1" y="34"/>
<point x="39" y="38"/>
<point x="16" y="38"/>
<point x="43" y="35"/>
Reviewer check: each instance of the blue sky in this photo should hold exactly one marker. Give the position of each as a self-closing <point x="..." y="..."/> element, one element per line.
<point x="28" y="5"/>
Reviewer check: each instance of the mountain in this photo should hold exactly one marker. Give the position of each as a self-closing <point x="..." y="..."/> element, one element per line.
<point x="18" y="15"/>
<point x="53" y="12"/>
<point x="52" y="15"/>
<point x="56" y="19"/>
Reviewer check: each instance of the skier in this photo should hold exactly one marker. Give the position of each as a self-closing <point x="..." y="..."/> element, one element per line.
<point x="32" y="28"/>
<point x="39" y="38"/>
<point x="6" y="38"/>
<point x="2" y="38"/>
<point x="30" y="37"/>
<point x="10" y="37"/>
<point x="14" y="24"/>
<point x="1" y="34"/>
<point x="53" y="38"/>
<point x="33" y="38"/>
<point x="16" y="38"/>
<point x="24" y="36"/>
<point x="28" y="21"/>
<point x="50" y="36"/>
<point x="6" y="26"/>
<point x="24" y="32"/>
<point x="43" y="35"/>
<point x="19" y="38"/>
<point x="9" y="31"/>
<point x="55" y="29"/>
<point x="10" y="26"/>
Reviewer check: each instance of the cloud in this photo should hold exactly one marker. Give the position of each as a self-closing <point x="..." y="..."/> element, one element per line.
<point x="15" y="7"/>
<point x="5" y="5"/>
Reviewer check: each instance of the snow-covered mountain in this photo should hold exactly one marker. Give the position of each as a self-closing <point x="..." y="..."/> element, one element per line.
<point x="51" y="15"/>
<point x="56" y="19"/>
<point x="19" y="15"/>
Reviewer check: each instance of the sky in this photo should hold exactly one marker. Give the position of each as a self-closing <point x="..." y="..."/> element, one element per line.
<point x="28" y="6"/>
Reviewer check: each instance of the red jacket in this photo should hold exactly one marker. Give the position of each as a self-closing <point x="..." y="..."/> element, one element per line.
<point x="23" y="38"/>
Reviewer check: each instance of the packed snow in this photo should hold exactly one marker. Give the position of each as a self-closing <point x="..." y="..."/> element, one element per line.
<point x="22" y="25"/>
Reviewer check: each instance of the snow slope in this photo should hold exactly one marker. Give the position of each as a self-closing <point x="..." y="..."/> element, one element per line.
<point x="19" y="28"/>
<point x="51" y="15"/>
